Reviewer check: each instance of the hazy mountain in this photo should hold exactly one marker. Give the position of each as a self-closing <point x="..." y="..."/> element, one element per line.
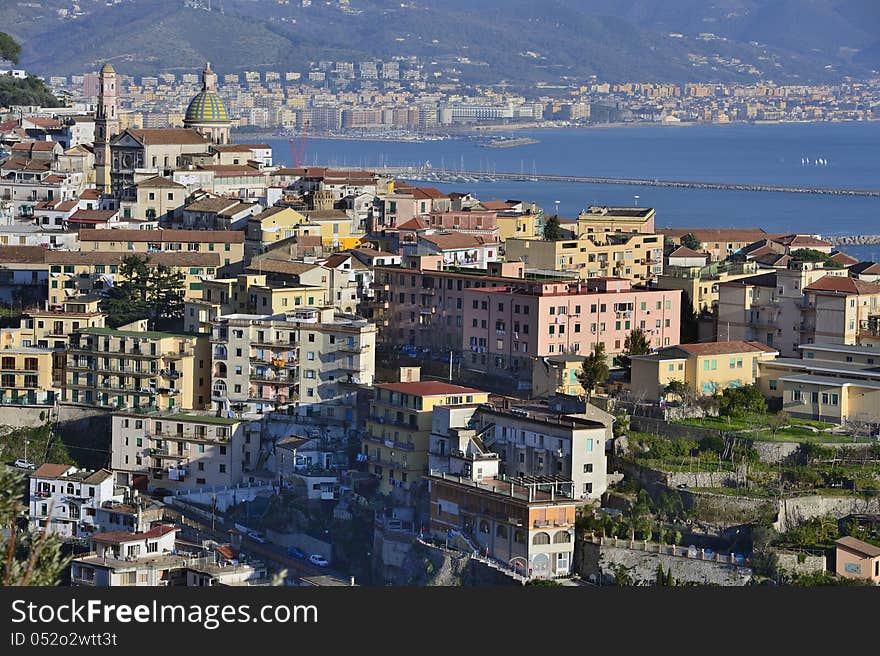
<point x="479" y="41"/>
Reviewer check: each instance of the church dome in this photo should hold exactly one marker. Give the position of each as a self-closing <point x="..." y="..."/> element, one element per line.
<point x="206" y="107"/>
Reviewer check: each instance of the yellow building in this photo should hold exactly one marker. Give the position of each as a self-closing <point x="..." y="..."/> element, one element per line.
<point x="128" y="369"/>
<point x="517" y="225"/>
<point x="227" y="244"/>
<point x="334" y="228"/>
<point x="399" y="427"/>
<point x="72" y="273"/>
<point x="557" y="375"/>
<point x="700" y="283"/>
<point x="830" y="382"/>
<point x="273" y="224"/>
<point x="601" y="219"/>
<point x="707" y="368"/>
<point x="26" y="376"/>
<point x="637" y="257"/>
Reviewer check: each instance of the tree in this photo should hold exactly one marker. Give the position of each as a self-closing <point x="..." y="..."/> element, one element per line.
<point x="166" y="296"/>
<point x="9" y="48"/>
<point x="594" y="370"/>
<point x="741" y="401"/>
<point x="552" y="230"/>
<point x="635" y="343"/>
<point x="145" y="292"/>
<point x="689" y="241"/>
<point x="812" y="255"/>
<point x="25" y="558"/>
<point x="777" y="421"/>
<point x="681" y="389"/>
<point x="689" y="321"/>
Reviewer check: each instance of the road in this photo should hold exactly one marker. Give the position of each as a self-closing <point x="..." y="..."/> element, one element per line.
<point x="196" y="529"/>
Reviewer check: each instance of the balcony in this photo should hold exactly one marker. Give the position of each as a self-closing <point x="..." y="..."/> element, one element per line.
<point x="171" y="373"/>
<point x="179" y="354"/>
<point x="351" y="348"/>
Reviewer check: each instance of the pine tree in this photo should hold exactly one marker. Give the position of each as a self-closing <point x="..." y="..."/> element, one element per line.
<point x="25" y="558"/>
<point x="552" y="230"/>
<point x="636" y="343"/>
<point x="594" y="370"/>
<point x="128" y="299"/>
<point x="165" y="294"/>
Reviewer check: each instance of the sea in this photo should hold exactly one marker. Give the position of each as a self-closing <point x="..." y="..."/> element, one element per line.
<point x="833" y="155"/>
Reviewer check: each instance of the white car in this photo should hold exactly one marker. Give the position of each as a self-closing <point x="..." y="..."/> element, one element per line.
<point x="256" y="536"/>
<point x="319" y="560"/>
<point x="24" y="464"/>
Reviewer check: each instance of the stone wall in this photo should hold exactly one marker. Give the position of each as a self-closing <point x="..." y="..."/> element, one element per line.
<point x="799" y="563"/>
<point x="797" y="510"/>
<point x="722" y="509"/>
<point x="597" y="559"/>
<point x="24" y="417"/>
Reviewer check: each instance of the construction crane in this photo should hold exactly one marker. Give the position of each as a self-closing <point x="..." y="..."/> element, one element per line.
<point x="298" y="145"/>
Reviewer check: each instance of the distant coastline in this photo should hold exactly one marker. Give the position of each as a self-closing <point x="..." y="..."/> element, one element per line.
<point x="485" y="131"/>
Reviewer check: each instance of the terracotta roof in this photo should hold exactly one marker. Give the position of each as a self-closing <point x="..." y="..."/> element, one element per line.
<point x="50" y="470"/>
<point x="870" y="268"/>
<point x="712" y="235"/>
<point x="90" y="194"/>
<point x="231" y="170"/>
<point x="684" y="251"/>
<point x="93" y="216"/>
<point x="858" y="546"/>
<point x="325" y="215"/>
<point x="801" y="241"/>
<point x="43" y="146"/>
<point x="777" y="260"/>
<point x="724" y="348"/>
<point x="269" y="212"/>
<point x="210" y="205"/>
<point x="168" y="258"/>
<point x="457" y="240"/>
<point x="428" y="388"/>
<point x="163" y="235"/>
<point x="157" y="181"/>
<point x="184" y="136"/>
<point x="22" y="254"/>
<point x="267" y="264"/>
<point x="843" y="285"/>
<point x="125" y="536"/>
<point x="336" y="259"/>
<point x="415" y="223"/>
<point x="497" y="205"/>
<point x="843" y="258"/>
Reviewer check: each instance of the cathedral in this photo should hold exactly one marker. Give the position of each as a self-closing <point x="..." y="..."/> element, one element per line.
<point x="206" y="113"/>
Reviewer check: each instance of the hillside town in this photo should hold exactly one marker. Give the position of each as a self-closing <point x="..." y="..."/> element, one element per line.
<point x="222" y="370"/>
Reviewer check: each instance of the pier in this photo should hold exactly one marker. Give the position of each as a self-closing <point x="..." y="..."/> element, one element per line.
<point x="437" y="176"/>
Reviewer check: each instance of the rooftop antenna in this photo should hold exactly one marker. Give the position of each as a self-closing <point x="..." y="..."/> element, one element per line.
<point x="636" y="198"/>
<point x="557" y="207"/>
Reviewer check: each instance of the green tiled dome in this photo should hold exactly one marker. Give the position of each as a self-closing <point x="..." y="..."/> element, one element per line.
<point x="206" y="107"/>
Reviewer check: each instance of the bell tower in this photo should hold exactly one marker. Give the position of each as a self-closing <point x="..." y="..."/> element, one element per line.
<point x="106" y="127"/>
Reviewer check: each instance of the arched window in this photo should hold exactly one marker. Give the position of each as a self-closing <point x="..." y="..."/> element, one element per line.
<point x="501" y="531"/>
<point x="220" y="388"/>
<point x="220" y="352"/>
<point x="541" y="538"/>
<point x="70" y="488"/>
<point x="220" y="370"/>
<point x="484" y="526"/>
<point x="561" y="537"/>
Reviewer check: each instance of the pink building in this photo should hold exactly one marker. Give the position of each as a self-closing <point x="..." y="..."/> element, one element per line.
<point x="507" y="326"/>
<point x="473" y="221"/>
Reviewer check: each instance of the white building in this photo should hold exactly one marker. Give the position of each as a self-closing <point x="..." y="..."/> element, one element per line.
<point x="63" y="499"/>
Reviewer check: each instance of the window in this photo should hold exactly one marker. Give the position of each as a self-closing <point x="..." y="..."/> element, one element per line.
<point x="795" y="395"/>
<point x="541" y="538"/>
<point x="588" y="468"/>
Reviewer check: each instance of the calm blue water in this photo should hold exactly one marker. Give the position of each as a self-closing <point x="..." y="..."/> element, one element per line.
<point x="769" y="154"/>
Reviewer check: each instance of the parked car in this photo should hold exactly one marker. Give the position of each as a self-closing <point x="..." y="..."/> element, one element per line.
<point x="256" y="536"/>
<point x="295" y="552"/>
<point x="318" y="560"/>
<point x="24" y="464"/>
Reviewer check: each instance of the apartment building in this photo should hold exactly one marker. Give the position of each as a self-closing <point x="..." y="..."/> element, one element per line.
<point x="635" y="256"/>
<point x="699" y="282"/>
<point x="129" y="559"/>
<point x="830" y="382"/>
<point x="719" y="243"/>
<point x="801" y="304"/>
<point x="110" y="368"/>
<point x="398" y="432"/>
<point x="525" y="439"/>
<point x="63" y="500"/>
<point x="26" y="376"/>
<point x="182" y="450"/>
<point x="508" y="326"/>
<point x="525" y="523"/>
<point x="599" y="219"/>
<point x="301" y="360"/>
<point x="227" y="244"/>
<point x="708" y="368"/>
<point x="73" y="273"/>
